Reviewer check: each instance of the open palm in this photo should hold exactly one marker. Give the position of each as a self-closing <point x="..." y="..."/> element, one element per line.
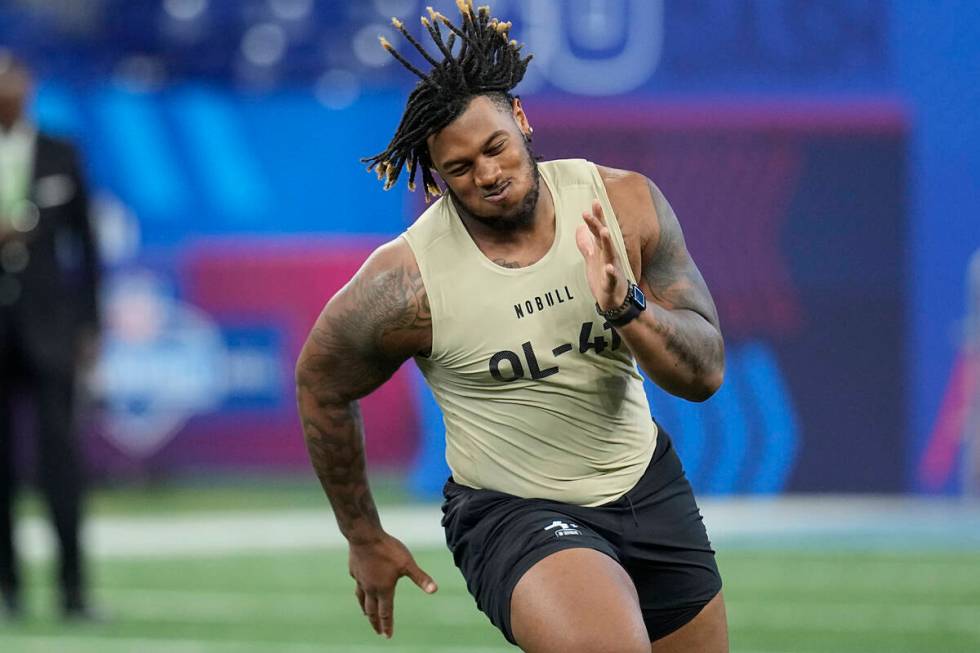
<point x="602" y="265"/>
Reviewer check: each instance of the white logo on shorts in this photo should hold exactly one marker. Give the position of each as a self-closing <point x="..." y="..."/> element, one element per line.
<point x="563" y="529"/>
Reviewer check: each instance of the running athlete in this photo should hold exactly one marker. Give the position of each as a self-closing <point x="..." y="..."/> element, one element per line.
<point x="527" y="294"/>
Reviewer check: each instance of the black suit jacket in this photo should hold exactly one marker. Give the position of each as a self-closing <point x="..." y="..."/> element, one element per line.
<point x="58" y="297"/>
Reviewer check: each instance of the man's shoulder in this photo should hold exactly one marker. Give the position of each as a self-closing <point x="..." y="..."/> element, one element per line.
<point x="631" y="197"/>
<point x="393" y="254"/>
<point x="621" y="180"/>
<point x="615" y="180"/>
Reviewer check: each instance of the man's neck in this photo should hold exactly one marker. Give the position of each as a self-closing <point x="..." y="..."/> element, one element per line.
<point x="540" y="224"/>
<point x="521" y="246"/>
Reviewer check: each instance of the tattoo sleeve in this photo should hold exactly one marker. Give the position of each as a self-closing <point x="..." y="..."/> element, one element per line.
<point x="366" y="331"/>
<point x="686" y="318"/>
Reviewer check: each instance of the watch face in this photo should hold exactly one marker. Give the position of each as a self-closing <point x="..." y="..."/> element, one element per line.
<point x="638" y="298"/>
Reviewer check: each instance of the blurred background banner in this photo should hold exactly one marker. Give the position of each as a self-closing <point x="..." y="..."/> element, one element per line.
<point x="823" y="159"/>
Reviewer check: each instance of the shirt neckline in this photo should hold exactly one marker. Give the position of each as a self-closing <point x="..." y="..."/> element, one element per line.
<point x="485" y="261"/>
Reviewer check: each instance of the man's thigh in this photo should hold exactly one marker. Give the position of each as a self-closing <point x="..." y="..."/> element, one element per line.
<point x="577" y="600"/>
<point x="663" y="544"/>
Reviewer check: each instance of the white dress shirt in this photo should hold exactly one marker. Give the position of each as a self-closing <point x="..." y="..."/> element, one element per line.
<point x="16" y="168"/>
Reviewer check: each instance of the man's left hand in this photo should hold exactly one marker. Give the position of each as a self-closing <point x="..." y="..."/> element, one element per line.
<point x="602" y="265"/>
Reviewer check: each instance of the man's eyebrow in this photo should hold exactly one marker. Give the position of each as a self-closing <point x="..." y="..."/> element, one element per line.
<point x="446" y="165"/>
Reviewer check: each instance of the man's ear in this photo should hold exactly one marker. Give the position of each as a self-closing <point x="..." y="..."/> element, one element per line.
<point x="521" y="118"/>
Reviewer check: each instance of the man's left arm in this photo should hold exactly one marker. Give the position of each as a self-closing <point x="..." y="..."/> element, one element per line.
<point x="677" y="340"/>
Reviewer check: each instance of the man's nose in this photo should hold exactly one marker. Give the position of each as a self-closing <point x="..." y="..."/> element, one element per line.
<point x="486" y="173"/>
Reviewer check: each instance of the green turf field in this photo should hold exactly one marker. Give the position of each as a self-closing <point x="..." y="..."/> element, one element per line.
<point x="778" y="602"/>
<point x="824" y="596"/>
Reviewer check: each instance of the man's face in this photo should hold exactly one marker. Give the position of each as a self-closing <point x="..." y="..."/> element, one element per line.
<point x="484" y="159"/>
<point x="14" y="88"/>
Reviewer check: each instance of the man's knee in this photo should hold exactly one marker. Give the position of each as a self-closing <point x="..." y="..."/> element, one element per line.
<point x="706" y="633"/>
<point x="601" y="640"/>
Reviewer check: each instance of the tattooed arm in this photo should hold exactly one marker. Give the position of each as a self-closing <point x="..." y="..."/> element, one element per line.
<point x="365" y="332"/>
<point x="677" y="341"/>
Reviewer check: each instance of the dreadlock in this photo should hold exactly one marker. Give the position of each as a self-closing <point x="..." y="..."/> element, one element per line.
<point x="487" y="63"/>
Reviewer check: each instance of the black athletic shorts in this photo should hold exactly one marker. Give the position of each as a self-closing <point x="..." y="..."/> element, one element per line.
<point x="654" y="531"/>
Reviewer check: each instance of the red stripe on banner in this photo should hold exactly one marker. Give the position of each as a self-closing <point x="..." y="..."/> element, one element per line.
<point x="823" y="115"/>
<point x="285" y="283"/>
<point x="938" y="463"/>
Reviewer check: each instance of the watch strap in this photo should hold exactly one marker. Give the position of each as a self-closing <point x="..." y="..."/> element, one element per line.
<point x="625" y="313"/>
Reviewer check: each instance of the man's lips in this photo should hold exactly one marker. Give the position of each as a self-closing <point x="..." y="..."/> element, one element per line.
<point x="498" y="193"/>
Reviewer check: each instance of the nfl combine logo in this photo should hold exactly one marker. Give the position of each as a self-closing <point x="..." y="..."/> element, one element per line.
<point x="562" y="529"/>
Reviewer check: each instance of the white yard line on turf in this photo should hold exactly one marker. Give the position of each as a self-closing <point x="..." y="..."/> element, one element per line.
<point x="201" y="534"/>
<point x="882" y="522"/>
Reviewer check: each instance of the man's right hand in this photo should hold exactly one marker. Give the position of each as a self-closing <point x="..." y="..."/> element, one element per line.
<point x="376" y="568"/>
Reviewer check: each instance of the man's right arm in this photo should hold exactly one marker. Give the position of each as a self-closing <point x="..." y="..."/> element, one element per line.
<point x="366" y="331"/>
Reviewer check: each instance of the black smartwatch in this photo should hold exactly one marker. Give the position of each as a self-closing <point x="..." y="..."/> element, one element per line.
<point x="634" y="304"/>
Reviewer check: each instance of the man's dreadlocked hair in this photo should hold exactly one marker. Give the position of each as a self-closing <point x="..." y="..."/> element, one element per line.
<point x="487" y="63"/>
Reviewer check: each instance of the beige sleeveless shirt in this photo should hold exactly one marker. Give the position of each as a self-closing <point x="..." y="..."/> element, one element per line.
<point x="539" y="398"/>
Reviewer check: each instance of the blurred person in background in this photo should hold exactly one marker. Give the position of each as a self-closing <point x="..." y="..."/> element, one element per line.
<point x="568" y="511"/>
<point x="48" y="326"/>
